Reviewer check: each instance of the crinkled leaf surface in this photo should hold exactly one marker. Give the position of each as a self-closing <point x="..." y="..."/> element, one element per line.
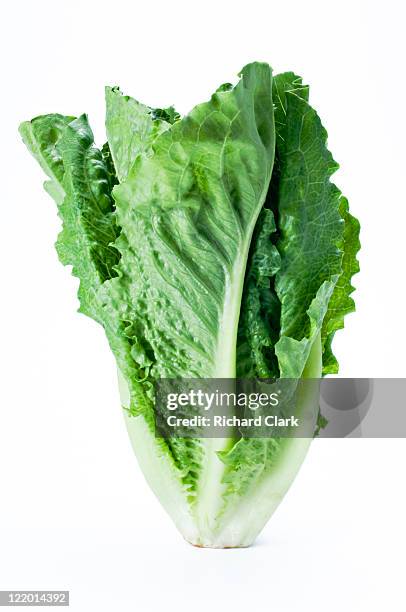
<point x="187" y="215"/>
<point x="341" y="302"/>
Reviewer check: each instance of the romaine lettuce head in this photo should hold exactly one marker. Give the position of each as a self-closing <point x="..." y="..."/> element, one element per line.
<point x="208" y="246"/>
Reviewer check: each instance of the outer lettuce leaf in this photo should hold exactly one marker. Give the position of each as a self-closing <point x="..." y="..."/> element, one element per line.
<point x="311" y="230"/>
<point x="41" y="136"/>
<point x="309" y="221"/>
<point x="81" y="184"/>
<point x="89" y="225"/>
<point x="188" y="213"/>
<point x="132" y="128"/>
<point x="301" y="196"/>
<point x="341" y="303"/>
<point x="259" y="328"/>
<point x="82" y="178"/>
<point x="346" y="240"/>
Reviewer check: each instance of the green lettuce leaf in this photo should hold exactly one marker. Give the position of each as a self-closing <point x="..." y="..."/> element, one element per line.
<point x="187" y="215"/>
<point x="132" y="128"/>
<point x="89" y="225"/>
<point x="258" y="329"/>
<point x="341" y="302"/>
<point x="81" y="181"/>
<point x="298" y="288"/>
<point x="41" y="135"/>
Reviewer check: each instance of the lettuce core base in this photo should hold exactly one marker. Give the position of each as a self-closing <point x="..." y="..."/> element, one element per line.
<point x="229" y="526"/>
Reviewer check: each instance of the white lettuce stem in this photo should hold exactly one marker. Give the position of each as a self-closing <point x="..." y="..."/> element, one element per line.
<point x="241" y="522"/>
<point x="215" y="526"/>
<point x="211" y="487"/>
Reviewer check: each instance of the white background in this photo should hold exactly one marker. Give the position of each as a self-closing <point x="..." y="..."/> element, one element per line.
<point x="75" y="512"/>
